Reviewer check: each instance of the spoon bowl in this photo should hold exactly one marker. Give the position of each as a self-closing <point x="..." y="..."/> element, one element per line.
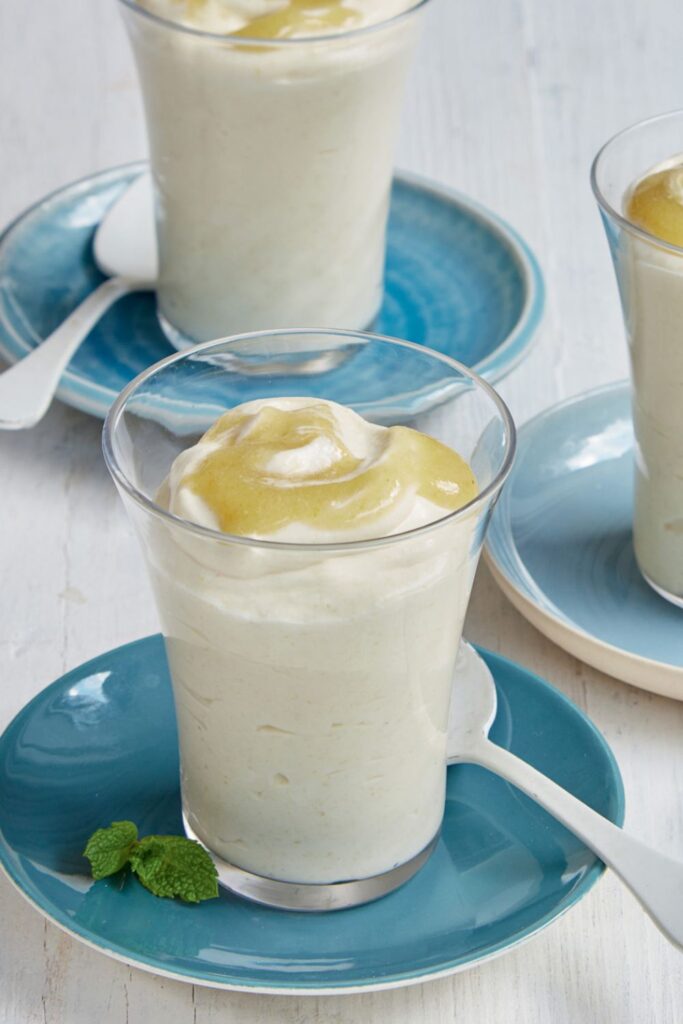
<point x="125" y="243"/>
<point x="474" y="703"/>
<point x="125" y="250"/>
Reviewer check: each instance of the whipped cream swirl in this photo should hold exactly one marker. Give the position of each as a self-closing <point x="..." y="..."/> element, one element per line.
<point x="308" y="470"/>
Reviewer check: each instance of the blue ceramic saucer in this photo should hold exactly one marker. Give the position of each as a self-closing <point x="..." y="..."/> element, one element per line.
<point x="100" y="745"/>
<point x="560" y="543"/>
<point x="458" y="280"/>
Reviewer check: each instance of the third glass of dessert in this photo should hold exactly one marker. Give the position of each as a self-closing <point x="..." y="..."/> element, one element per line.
<point x="311" y="506"/>
<point x="638" y="181"/>
<point x="271" y="126"/>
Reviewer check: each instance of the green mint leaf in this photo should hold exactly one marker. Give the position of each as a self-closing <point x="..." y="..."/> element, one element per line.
<point x="109" y="849"/>
<point x="175" y="866"/>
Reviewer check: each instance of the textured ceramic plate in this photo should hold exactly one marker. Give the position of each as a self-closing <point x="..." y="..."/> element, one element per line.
<point x="458" y="280"/>
<point x="100" y="745"/>
<point x="560" y="544"/>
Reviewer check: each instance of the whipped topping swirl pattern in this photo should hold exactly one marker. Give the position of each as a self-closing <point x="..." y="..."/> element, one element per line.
<point x="308" y="470"/>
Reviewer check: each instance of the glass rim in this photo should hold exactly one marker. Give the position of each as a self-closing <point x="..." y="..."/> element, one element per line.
<point x="148" y="505"/>
<point x="249" y="41"/>
<point x="616" y="215"/>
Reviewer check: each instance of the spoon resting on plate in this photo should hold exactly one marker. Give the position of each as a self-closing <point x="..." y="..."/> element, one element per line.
<point x="654" y="879"/>
<point x="125" y="249"/>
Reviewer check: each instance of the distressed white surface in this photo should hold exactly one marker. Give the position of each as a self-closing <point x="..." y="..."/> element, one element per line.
<point x="509" y="101"/>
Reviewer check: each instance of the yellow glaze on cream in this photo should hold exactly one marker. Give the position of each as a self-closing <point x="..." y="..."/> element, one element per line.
<point x="302" y="18"/>
<point x="239" y="481"/>
<point x="656" y="204"/>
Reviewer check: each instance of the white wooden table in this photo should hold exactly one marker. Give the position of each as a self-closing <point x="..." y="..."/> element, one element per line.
<point x="509" y="101"/>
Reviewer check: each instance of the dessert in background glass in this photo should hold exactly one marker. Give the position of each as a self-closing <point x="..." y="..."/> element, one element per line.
<point x="311" y="679"/>
<point x="272" y="126"/>
<point x="638" y="181"/>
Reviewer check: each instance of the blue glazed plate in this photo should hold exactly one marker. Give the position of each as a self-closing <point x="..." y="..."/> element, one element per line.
<point x="560" y="544"/>
<point x="100" y="745"/>
<point x="458" y="280"/>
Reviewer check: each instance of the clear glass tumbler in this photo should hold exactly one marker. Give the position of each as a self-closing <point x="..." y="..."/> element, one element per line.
<point x="311" y="681"/>
<point x="650" y="277"/>
<point x="272" y="164"/>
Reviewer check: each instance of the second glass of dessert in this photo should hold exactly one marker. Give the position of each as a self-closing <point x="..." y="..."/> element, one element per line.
<point x="638" y="181"/>
<point x="271" y="126"/>
<point x="311" y="507"/>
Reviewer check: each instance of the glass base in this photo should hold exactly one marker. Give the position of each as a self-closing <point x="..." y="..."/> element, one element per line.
<point x="182" y="341"/>
<point x="308" y="897"/>
<point x="676" y="599"/>
<point x="178" y="339"/>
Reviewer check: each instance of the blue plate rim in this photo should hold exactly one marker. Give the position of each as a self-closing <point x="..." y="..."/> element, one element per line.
<point x="400" y="979"/>
<point x="519" y="341"/>
<point x="94" y="399"/>
<point x="500" y="543"/>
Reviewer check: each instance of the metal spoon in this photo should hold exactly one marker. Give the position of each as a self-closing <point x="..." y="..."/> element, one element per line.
<point x="125" y="250"/>
<point x="654" y="879"/>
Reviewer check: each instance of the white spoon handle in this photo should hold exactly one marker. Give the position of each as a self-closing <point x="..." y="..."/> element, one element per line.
<point x="28" y="387"/>
<point x="654" y="879"/>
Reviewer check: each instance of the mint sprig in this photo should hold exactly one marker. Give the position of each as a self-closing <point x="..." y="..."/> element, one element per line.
<point x="175" y="866"/>
<point x="166" y="865"/>
<point x="109" y="849"/>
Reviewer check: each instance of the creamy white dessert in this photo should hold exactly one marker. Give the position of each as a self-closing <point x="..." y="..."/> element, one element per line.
<point x="652" y="292"/>
<point x="311" y="684"/>
<point x="272" y="163"/>
<point x="277" y="19"/>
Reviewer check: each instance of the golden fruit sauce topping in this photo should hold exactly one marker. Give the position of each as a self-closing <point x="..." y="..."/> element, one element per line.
<point x="302" y="18"/>
<point x="656" y="204"/>
<point x="250" y="494"/>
